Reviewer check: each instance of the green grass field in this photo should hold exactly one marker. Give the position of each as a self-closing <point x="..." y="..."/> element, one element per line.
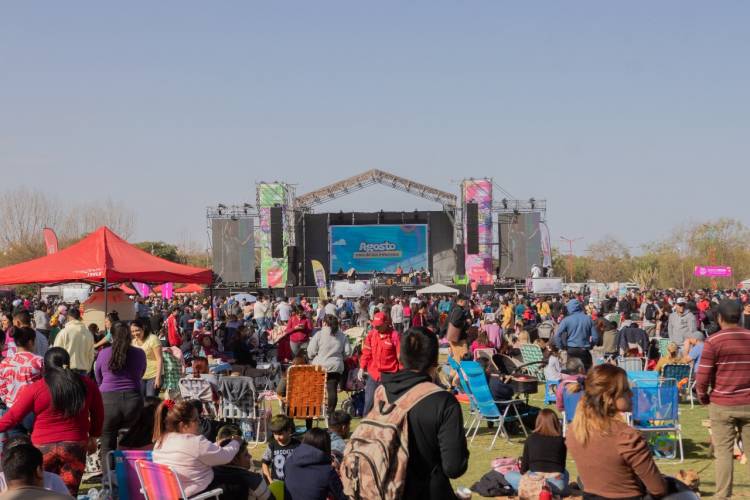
<point x="695" y="442"/>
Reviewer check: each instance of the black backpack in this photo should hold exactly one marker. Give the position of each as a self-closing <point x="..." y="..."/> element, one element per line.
<point x="650" y="313"/>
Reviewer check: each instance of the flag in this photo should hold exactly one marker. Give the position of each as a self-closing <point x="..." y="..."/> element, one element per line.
<point x="546" y="247"/>
<point x="143" y="289"/>
<point x="320" y="279"/>
<point x="167" y="290"/>
<point x="50" y="240"/>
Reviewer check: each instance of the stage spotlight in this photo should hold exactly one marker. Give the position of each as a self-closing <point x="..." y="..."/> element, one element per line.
<point x="222" y="206"/>
<point x="505" y="204"/>
<point x="247" y="205"/>
<point x="532" y="202"/>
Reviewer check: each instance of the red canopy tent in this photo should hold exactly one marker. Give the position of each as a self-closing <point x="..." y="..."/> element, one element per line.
<point x="102" y="257"/>
<point x="192" y="288"/>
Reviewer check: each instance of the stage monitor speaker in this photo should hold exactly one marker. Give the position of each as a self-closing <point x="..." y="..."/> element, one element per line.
<point x="277" y="233"/>
<point x="460" y="260"/>
<point x="472" y="228"/>
<point x="293" y="258"/>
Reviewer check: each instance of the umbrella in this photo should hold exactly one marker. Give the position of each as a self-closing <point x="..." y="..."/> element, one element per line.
<point x="249" y="298"/>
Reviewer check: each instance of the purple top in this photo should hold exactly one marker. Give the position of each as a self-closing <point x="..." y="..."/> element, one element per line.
<point x="128" y="379"/>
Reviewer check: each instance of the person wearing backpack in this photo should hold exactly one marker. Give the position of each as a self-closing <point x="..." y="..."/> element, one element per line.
<point x="650" y="315"/>
<point x="408" y="407"/>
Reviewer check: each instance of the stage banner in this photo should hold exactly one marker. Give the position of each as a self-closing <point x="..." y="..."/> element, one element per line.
<point x="320" y="279"/>
<point x="167" y="290"/>
<point x="273" y="272"/>
<point x="50" y="240"/>
<point x="382" y="248"/>
<point x="479" y="266"/>
<point x="359" y="288"/>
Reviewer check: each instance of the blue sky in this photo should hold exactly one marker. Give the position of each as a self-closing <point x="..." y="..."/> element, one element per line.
<point x="629" y="117"/>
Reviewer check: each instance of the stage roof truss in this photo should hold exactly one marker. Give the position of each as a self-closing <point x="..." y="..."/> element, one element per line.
<point x="344" y="187"/>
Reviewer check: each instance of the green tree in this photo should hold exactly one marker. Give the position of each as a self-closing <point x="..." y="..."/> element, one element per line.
<point x="161" y="249"/>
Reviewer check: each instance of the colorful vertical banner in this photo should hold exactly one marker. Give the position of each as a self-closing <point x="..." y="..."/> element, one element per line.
<point x="142" y="289"/>
<point x="167" y="290"/>
<point x="479" y="266"/>
<point x="320" y="279"/>
<point x="50" y="240"/>
<point x="273" y="272"/>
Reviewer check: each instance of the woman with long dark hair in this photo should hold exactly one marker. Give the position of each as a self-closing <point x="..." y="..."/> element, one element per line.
<point x="328" y="348"/>
<point x="150" y="345"/>
<point x="119" y="370"/>
<point x="109" y="321"/>
<point x="69" y="416"/>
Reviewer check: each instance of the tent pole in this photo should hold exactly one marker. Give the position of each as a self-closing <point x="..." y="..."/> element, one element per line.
<point x="105" y="297"/>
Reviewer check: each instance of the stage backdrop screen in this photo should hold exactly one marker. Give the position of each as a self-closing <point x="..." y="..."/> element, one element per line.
<point x="381" y="247"/>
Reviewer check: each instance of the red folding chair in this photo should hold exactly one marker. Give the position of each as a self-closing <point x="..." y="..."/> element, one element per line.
<point x="160" y="482"/>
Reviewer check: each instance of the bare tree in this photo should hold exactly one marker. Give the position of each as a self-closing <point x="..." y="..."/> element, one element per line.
<point x="23" y="215"/>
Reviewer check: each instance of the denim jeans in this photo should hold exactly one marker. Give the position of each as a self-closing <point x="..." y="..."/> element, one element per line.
<point x="370" y="385"/>
<point x="558" y="486"/>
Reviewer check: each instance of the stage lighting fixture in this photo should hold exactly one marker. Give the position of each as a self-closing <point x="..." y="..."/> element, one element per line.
<point x="247" y="205"/>
<point x="532" y="202"/>
<point x="505" y="204"/>
<point x="222" y="206"/>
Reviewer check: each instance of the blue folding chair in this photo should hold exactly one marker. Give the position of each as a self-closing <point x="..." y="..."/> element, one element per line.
<point x="680" y="372"/>
<point x="656" y="409"/>
<point x="643" y="376"/>
<point x="570" y="403"/>
<point x="550" y="391"/>
<point x="486" y="405"/>
<point x="464" y="387"/>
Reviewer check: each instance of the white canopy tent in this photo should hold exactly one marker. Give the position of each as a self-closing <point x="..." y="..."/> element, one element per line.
<point x="117" y="300"/>
<point x="437" y="289"/>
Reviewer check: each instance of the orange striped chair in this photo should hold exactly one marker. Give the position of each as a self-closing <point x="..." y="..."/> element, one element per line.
<point x="159" y="482"/>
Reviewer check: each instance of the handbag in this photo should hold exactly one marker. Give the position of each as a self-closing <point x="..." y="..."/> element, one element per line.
<point x="453" y="334"/>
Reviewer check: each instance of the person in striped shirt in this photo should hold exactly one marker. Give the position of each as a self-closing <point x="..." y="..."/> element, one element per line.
<point x="725" y="368"/>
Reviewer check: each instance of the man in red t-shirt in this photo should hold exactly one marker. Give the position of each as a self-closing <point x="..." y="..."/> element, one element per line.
<point x="380" y="354"/>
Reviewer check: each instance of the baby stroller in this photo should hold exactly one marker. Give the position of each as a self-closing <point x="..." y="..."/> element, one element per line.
<point x="354" y="404"/>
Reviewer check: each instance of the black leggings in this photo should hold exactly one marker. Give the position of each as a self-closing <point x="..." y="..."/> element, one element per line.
<point x="121" y="410"/>
<point x="332" y="388"/>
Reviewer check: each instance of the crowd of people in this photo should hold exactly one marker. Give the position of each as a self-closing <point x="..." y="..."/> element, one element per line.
<point x="69" y="390"/>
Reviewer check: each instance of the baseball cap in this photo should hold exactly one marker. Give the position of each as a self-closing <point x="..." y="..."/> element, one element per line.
<point x="378" y="319"/>
<point x="681" y="300"/>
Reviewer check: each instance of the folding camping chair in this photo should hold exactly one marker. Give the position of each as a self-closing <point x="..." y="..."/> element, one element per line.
<point x="486" y="405"/>
<point x="533" y="357"/>
<point x="631" y="364"/>
<point x="487" y="352"/>
<point x="306" y="393"/>
<point x="200" y="389"/>
<point x="663" y="344"/>
<point x="464" y="387"/>
<point x="160" y="482"/>
<point x="239" y="402"/>
<point x="570" y="403"/>
<point x="680" y="372"/>
<point x="640" y="376"/>
<point x="128" y="484"/>
<point x="656" y="410"/>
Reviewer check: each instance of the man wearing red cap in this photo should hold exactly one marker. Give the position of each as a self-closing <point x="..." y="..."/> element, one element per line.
<point x="379" y="355"/>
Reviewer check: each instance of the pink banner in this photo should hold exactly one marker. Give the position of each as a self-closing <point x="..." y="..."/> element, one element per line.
<point x="143" y="289"/>
<point x="479" y="266"/>
<point x="167" y="290"/>
<point x="713" y="271"/>
<point x="50" y="240"/>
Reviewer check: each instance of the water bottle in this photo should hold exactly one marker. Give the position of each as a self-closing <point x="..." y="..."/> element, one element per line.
<point x="546" y="493"/>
